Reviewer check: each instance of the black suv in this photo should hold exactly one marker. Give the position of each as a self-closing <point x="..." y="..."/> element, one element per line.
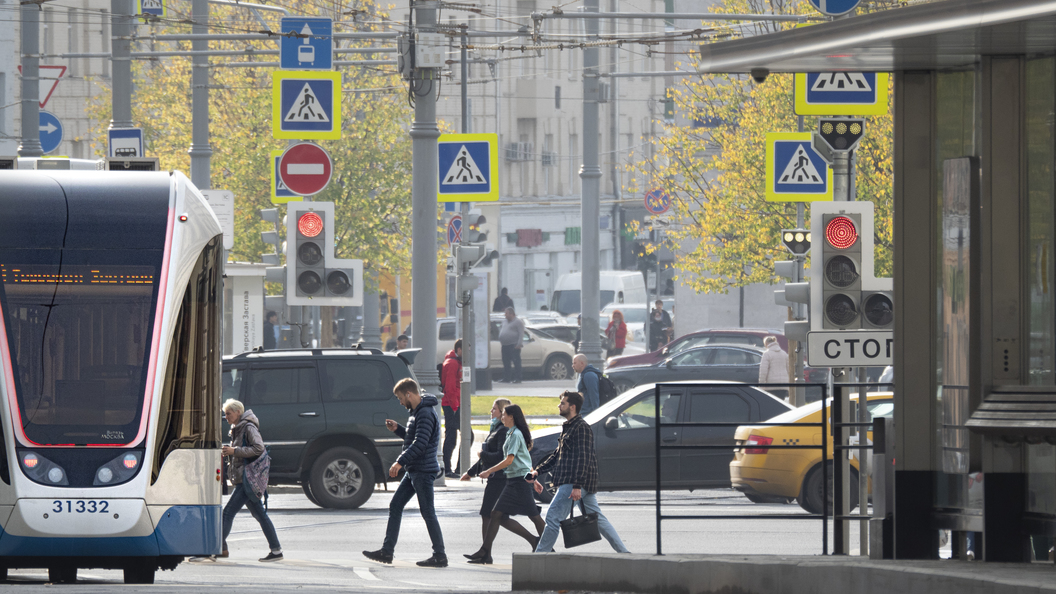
<point x="322" y="415"/>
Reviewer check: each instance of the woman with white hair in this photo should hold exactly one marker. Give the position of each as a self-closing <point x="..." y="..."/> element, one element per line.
<point x="773" y="369"/>
<point x="246" y="446"/>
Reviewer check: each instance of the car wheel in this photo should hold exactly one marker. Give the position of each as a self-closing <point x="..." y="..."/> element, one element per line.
<point x="547" y="495"/>
<point x="342" y="478"/>
<point x="306" y="486"/>
<point x="557" y="367"/>
<point x="812" y="495"/>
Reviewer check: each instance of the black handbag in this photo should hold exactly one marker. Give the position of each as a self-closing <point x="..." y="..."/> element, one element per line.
<point x="580" y="530"/>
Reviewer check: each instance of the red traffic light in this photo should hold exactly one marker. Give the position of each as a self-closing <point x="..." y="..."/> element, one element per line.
<point x="841" y="233"/>
<point x="310" y="224"/>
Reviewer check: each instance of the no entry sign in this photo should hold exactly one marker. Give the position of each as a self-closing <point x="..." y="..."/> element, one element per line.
<point x="305" y="168"/>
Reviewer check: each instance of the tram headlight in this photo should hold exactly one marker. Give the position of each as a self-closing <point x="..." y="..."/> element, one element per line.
<point x="105" y="475"/>
<point x="41" y="470"/>
<point x="118" y="470"/>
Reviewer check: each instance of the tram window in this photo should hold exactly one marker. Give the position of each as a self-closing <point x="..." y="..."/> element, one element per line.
<point x="282" y="385"/>
<point x="189" y="413"/>
<point x="357" y="380"/>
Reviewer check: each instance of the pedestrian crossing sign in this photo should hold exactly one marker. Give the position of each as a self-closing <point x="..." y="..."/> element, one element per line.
<point x="468" y="168"/>
<point x="795" y="172"/>
<point x="280" y="194"/>
<point x="306" y="105"/>
<point x="841" y="93"/>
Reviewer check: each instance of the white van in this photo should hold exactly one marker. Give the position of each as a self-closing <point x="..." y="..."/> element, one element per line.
<point x="617" y="286"/>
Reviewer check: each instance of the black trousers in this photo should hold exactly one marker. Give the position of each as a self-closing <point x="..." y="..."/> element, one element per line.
<point x="452" y="425"/>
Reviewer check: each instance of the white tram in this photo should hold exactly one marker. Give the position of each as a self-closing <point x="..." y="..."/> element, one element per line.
<point x="109" y="372"/>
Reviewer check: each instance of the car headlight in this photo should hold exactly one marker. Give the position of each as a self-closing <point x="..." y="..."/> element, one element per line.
<point x="118" y="470"/>
<point x="41" y="470"/>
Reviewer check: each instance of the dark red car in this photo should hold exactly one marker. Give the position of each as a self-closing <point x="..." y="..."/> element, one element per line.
<point x="749" y="336"/>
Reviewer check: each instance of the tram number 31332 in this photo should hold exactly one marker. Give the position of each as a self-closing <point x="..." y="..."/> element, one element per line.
<point x="80" y="506"/>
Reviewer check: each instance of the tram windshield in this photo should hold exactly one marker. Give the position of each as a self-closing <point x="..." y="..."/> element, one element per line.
<point x="79" y="327"/>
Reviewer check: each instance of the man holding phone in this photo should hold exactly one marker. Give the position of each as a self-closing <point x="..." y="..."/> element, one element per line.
<point x="421" y="438"/>
<point x="575" y="472"/>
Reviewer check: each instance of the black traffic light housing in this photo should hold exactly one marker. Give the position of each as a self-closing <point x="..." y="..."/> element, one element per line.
<point x="841" y="134"/>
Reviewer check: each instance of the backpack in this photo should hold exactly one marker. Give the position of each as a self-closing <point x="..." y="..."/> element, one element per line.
<point x="606" y="389"/>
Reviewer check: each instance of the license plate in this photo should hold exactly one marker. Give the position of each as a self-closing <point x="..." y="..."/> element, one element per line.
<point x="80" y="506"/>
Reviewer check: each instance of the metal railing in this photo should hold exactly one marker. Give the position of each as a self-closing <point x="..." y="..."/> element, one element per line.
<point x="823" y="516"/>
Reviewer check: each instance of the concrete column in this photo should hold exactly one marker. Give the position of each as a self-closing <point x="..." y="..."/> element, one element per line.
<point x="590" y="173"/>
<point x="915" y="223"/>
<point x="30" y="146"/>
<point x="200" y="150"/>
<point x="424" y="133"/>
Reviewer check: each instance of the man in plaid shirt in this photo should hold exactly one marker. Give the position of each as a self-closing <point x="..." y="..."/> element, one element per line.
<point x="575" y="472"/>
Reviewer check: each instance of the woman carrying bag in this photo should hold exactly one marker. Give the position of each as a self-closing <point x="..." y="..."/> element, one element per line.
<point x="490" y="455"/>
<point x="245" y="448"/>
<point x="616" y="332"/>
<point x="516" y="497"/>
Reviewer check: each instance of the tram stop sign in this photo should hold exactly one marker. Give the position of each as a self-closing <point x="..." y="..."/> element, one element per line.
<point x="305" y="168"/>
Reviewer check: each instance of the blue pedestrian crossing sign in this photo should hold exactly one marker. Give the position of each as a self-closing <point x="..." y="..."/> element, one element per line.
<point x="307" y="43"/>
<point x="841" y="93"/>
<point x="795" y="172"/>
<point x="306" y="105"/>
<point x="468" y="167"/>
<point x="280" y="194"/>
<point x="835" y="7"/>
<point x="152" y="7"/>
<point x="50" y="132"/>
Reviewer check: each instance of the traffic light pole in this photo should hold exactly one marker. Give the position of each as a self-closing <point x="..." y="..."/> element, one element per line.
<point x="468" y="333"/>
<point x="842" y="375"/>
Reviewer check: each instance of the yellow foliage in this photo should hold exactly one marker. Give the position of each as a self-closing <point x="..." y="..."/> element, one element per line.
<point x="371" y="185"/>
<point x="725" y="235"/>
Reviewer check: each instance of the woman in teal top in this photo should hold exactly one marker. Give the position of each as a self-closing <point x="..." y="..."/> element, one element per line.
<point x="517" y="497"/>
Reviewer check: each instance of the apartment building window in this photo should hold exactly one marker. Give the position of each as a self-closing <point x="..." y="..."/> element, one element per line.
<point x="46" y="33"/>
<point x="669" y="107"/>
<point x="557" y="97"/>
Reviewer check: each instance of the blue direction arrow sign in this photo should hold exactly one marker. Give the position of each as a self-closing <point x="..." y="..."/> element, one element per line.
<point x="50" y="131"/>
<point x="307" y="44"/>
<point x="835" y="7"/>
<point x="125" y="143"/>
<point x="795" y="172"/>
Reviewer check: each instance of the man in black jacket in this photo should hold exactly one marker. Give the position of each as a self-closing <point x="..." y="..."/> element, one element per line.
<point x="575" y="472"/>
<point x="421" y="439"/>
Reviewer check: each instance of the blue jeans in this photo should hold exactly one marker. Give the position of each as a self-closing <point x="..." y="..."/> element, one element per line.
<point x="241" y="496"/>
<point x="421" y="484"/>
<point x="559" y="509"/>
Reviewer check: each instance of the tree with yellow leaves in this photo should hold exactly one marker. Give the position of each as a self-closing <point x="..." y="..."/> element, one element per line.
<point x="724" y="232"/>
<point x="371" y="184"/>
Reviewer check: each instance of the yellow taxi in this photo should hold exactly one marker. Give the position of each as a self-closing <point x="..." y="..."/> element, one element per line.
<point x="765" y="474"/>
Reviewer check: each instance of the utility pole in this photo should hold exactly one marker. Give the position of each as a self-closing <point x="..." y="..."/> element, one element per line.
<point x="590" y="174"/>
<point x="200" y="150"/>
<point x="424" y="133"/>
<point x="30" y="145"/>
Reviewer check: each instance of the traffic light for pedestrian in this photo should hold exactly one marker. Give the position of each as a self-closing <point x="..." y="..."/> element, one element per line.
<point x="796" y="241"/>
<point x="845" y="293"/>
<point x="790" y="295"/>
<point x="841" y="134"/>
<point x="314" y="276"/>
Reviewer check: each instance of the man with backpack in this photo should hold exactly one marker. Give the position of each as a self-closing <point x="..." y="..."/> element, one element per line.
<point x="595" y="387"/>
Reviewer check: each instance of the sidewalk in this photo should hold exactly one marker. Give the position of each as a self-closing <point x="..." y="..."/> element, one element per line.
<point x="765" y="574"/>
